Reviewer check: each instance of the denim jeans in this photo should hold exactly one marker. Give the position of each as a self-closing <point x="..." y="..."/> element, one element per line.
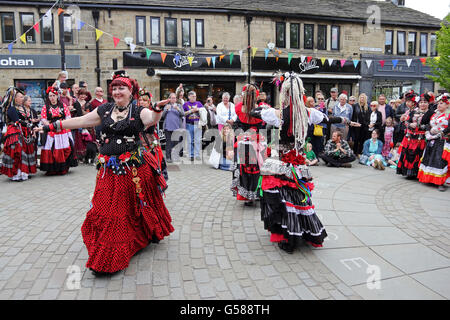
<point x="195" y="136"/>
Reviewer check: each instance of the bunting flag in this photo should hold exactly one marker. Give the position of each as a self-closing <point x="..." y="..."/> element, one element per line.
<point x="330" y="61"/>
<point x="276" y="59"/>
<point x="423" y="60"/>
<point x="24" y="38"/>
<point x="208" y="59"/>
<point x="190" y="59"/>
<point x="214" y="61"/>
<point x="10" y="46"/>
<point x="368" y="62"/>
<point x="394" y="63"/>
<point x="177" y="58"/>
<point x="290" y="55"/>
<point x="132" y="47"/>
<point x="164" y="55"/>
<point x="308" y="59"/>
<point x="382" y="63"/>
<point x="221" y="57"/>
<point x="36" y="27"/>
<point x="408" y="62"/>
<point x="148" y="53"/>
<point x="116" y="41"/>
<point x="60" y="10"/>
<point x="343" y="62"/>
<point x="254" y="52"/>
<point x="302" y="58"/>
<point x="80" y="25"/>
<point x="437" y="59"/>
<point x="266" y="53"/>
<point x="323" y="61"/>
<point x="231" y="57"/>
<point x="355" y="62"/>
<point x="98" y="34"/>
<point x="240" y="54"/>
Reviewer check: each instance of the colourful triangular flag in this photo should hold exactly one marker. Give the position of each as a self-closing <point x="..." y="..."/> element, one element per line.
<point x="276" y="59"/>
<point x="240" y="54"/>
<point x="10" y="46"/>
<point x="214" y="61"/>
<point x="408" y="62"/>
<point x="437" y="59"/>
<point x="382" y="63"/>
<point x="368" y="63"/>
<point x="266" y="53"/>
<point x="116" y="41"/>
<point x="60" y="10"/>
<point x="254" y="52"/>
<point x="355" y="62"/>
<point x="190" y="59"/>
<point x="423" y="60"/>
<point x="80" y="25"/>
<point x="231" y="57"/>
<point x="98" y="34"/>
<point x="342" y="62"/>
<point x="148" y="52"/>
<point x="308" y="59"/>
<point x="302" y="58"/>
<point x="36" y="27"/>
<point x="323" y="61"/>
<point x="132" y="47"/>
<point x="177" y="59"/>
<point x="208" y="59"/>
<point x="24" y="38"/>
<point x="330" y="61"/>
<point x="221" y="57"/>
<point x="290" y="55"/>
<point x="164" y="55"/>
<point x="394" y="62"/>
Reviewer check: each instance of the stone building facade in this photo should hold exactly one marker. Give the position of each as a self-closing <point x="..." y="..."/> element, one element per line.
<point x="317" y="29"/>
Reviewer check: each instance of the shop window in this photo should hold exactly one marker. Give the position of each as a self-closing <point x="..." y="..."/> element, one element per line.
<point x="309" y="36"/>
<point x="401" y="50"/>
<point x="47" y="30"/>
<point x="388" y="42"/>
<point x="199" y="33"/>
<point x="322" y="37"/>
<point x="295" y="35"/>
<point x="140" y="31"/>
<point x="280" y="35"/>
<point x="423" y="44"/>
<point x="27" y="23"/>
<point x="412" y="43"/>
<point x="335" y="37"/>
<point x="8" y="27"/>
<point x="186" y="32"/>
<point x="155" y="31"/>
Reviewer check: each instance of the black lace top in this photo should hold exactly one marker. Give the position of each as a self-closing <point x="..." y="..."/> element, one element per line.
<point x="121" y="136"/>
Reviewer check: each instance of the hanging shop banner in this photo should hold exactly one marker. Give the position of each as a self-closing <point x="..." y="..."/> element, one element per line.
<point x="37" y="61"/>
<point x="179" y="61"/>
<point x="308" y="66"/>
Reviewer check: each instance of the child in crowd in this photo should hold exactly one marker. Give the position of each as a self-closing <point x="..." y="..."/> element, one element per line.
<point x="311" y="158"/>
<point x="393" y="156"/>
<point x="388" y="136"/>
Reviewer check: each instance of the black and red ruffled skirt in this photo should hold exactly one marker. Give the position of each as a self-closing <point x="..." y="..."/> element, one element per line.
<point x="57" y="154"/>
<point x="434" y="163"/>
<point x="411" y="151"/>
<point x="127" y="213"/>
<point x="19" y="152"/>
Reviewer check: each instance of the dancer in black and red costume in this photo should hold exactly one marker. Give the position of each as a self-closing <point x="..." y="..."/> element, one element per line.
<point x="57" y="154"/>
<point x="285" y="184"/>
<point x="249" y="148"/>
<point x="413" y="144"/>
<point x="19" y="153"/>
<point x="127" y="211"/>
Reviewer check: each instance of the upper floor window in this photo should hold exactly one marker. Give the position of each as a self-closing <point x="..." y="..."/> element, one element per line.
<point x="433" y="45"/>
<point x="27" y="23"/>
<point x="140" y="31"/>
<point x="199" y="33"/>
<point x="186" y="32"/>
<point x="68" y="33"/>
<point x="412" y="43"/>
<point x="388" y="42"/>
<point x="170" y="31"/>
<point x="335" y="37"/>
<point x="155" y="31"/>
<point x="423" y="44"/>
<point x="47" y="28"/>
<point x="8" y="27"/>
<point x="322" y="37"/>
<point x="295" y="35"/>
<point x="401" y="41"/>
<point x="309" y="36"/>
<point x="280" y="35"/>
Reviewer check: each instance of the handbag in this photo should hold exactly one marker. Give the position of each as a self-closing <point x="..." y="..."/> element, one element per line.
<point x="318" y="130"/>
